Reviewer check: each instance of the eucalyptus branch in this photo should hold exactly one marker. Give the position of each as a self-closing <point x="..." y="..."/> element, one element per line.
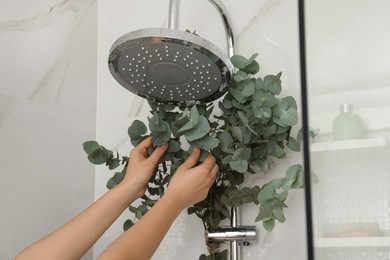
<point x="253" y="128"/>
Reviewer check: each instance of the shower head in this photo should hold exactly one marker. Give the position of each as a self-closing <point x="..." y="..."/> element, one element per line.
<point x="168" y="65"/>
<point x="172" y="66"/>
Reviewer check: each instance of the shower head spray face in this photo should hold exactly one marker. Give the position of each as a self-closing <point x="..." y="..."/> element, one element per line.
<point x="170" y="66"/>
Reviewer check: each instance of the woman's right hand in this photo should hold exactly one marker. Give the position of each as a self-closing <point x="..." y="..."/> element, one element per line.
<point x="190" y="184"/>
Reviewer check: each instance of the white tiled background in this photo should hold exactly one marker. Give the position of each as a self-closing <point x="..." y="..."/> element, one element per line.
<point x="48" y="92"/>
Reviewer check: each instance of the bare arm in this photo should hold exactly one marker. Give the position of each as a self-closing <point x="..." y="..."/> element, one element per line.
<point x="188" y="186"/>
<point x="73" y="240"/>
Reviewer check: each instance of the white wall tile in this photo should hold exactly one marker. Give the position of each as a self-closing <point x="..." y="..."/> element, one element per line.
<point x="47" y="110"/>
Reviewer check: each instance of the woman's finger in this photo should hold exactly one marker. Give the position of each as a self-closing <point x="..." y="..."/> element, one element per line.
<point x="192" y="160"/>
<point x="157" y="154"/>
<point x="142" y="148"/>
<point x="209" y="162"/>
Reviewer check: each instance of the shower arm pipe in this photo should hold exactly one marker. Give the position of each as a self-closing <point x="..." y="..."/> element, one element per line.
<point x="174" y="13"/>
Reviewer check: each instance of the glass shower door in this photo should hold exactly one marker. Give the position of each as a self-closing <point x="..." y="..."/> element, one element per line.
<point x="348" y="88"/>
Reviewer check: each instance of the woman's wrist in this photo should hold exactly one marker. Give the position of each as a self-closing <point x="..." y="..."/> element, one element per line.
<point x="128" y="191"/>
<point x="174" y="201"/>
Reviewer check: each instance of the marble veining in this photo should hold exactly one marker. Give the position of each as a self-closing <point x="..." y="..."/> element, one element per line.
<point x="7" y="103"/>
<point x="60" y="66"/>
<point x="51" y="83"/>
<point x="264" y="11"/>
<point x="41" y="20"/>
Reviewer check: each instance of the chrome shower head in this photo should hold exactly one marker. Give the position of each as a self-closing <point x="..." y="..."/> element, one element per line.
<point x="170" y="66"/>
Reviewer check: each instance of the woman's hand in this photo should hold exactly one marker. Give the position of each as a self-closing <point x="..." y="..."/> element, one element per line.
<point x="141" y="166"/>
<point x="191" y="184"/>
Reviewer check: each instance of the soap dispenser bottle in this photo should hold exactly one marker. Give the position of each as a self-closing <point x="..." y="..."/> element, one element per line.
<point x="347" y="125"/>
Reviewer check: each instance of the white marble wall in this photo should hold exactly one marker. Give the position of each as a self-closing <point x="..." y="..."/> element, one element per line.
<point x="269" y="27"/>
<point x="47" y="110"/>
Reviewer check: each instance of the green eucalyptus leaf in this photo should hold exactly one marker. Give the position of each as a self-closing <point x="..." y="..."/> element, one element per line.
<point x="162" y="137"/>
<point x="252" y="58"/>
<point x="243" y="118"/>
<point x="132" y="209"/>
<point x="225" y="139"/>
<point x="194" y="115"/>
<point x="237" y="133"/>
<point x="275" y="150"/>
<point x="114" y="164"/>
<point x="282" y="196"/>
<point x="237" y="95"/>
<point x="91" y="147"/>
<point x="137" y="129"/>
<point x="269" y="225"/>
<point x="136" y="142"/>
<point x="110" y="184"/>
<point x="269" y="131"/>
<point x="266" y="193"/>
<point x="265" y="212"/>
<point x="239" y="61"/>
<point x="279" y="215"/>
<point x="247" y="135"/>
<point x="248" y="88"/>
<point x="259" y="83"/>
<point x="203" y="155"/>
<point x="273" y="83"/>
<point x="242" y="153"/>
<point x="293" y="144"/>
<point x="207" y="142"/>
<point x="292" y="171"/>
<point x="200" y="130"/>
<point x="118" y="177"/>
<point x="99" y="156"/>
<point x="241" y="76"/>
<point x="286" y="183"/>
<point x="239" y="165"/>
<point x="174" y="146"/>
<point x="289" y="117"/>
<point x="290" y="102"/>
<point x="252" y="68"/>
<point x="227" y="103"/>
<point x="264" y="99"/>
<point x="296" y="174"/>
<point x="128" y="224"/>
<point x="227" y="159"/>
<point x="188" y="126"/>
<point x="275" y="183"/>
<point x="191" y="210"/>
<point x="262" y="112"/>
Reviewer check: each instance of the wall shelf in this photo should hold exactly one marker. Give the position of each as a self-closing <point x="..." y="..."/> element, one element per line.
<point x="352" y="242"/>
<point x="349" y="145"/>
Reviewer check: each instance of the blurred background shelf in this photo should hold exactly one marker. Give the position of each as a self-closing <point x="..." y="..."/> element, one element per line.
<point x="352" y="242"/>
<point x="349" y="145"/>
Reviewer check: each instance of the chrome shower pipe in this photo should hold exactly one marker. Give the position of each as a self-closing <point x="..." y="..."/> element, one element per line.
<point x="173" y="21"/>
<point x="174" y="13"/>
<point x="234" y="248"/>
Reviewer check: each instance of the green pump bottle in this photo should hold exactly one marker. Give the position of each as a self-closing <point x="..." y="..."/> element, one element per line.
<point x="347" y="125"/>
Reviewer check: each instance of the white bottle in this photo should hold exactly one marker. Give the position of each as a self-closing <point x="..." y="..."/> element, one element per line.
<point x="347" y="125"/>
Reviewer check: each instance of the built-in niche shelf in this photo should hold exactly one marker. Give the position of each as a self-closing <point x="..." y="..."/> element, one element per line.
<point x="349" y="145"/>
<point x="346" y="242"/>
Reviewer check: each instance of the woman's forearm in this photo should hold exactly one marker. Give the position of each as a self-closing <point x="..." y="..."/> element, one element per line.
<point x="141" y="241"/>
<point x="74" y="239"/>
